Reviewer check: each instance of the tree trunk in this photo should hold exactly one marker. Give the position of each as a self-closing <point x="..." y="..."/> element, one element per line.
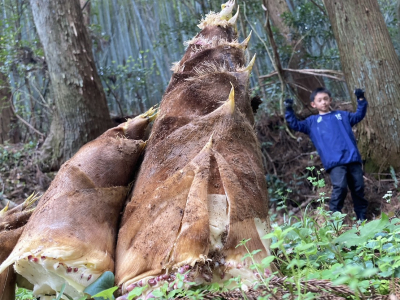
<point x="8" y="123"/>
<point x="302" y="84"/>
<point x="81" y="113"/>
<point x="369" y="61"/>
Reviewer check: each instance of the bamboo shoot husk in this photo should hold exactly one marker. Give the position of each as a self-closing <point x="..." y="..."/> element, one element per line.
<point x="201" y="188"/>
<point x="70" y="238"/>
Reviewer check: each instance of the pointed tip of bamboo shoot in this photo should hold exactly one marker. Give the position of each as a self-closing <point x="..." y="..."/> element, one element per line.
<point x="153" y="117"/>
<point x="231" y="100"/>
<point x="209" y="143"/>
<point x="5" y="209"/>
<point x="31" y="200"/>
<point x="232" y="21"/>
<point x="150" y="113"/>
<point x="125" y="127"/>
<point x="251" y="64"/>
<point x="226" y="10"/>
<point x="245" y="43"/>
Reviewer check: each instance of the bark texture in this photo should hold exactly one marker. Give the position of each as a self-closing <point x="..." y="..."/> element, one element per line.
<point x="8" y="125"/>
<point x="369" y="61"/>
<point x="12" y="222"/>
<point x="81" y="113"/>
<point x="302" y="84"/>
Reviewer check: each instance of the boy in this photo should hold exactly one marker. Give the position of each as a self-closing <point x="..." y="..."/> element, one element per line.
<point x="331" y="133"/>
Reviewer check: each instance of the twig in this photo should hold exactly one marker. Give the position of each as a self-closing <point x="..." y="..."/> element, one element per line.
<point x="115" y="97"/>
<point x="22" y="120"/>
<point x="301" y="87"/>
<point x="84" y="6"/>
<point x="314" y="72"/>
<point x="319" y="6"/>
<point x="271" y="161"/>
<point x="44" y="103"/>
<point x="276" y="60"/>
<point x="295" y="47"/>
<point x="302" y="205"/>
<point x="277" y="65"/>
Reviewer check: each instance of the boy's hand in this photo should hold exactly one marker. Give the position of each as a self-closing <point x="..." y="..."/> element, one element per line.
<point x="288" y="103"/>
<point x="359" y="93"/>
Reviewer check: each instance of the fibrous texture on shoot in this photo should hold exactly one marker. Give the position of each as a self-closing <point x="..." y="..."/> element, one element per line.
<point x="201" y="187"/>
<point x="70" y="238"/>
<point x="12" y="222"/>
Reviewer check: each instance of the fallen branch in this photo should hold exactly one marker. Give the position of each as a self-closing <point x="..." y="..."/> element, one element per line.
<point x="323" y="288"/>
<point x="315" y="72"/>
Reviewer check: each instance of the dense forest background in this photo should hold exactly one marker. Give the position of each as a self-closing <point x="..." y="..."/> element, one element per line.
<point x="135" y="44"/>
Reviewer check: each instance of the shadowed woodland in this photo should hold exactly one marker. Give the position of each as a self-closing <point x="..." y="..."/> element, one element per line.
<point x="88" y="72"/>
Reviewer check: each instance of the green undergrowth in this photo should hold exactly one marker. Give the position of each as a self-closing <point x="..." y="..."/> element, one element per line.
<point x="317" y="253"/>
<point x="364" y="258"/>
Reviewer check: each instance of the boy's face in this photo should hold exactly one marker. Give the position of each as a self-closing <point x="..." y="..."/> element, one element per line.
<point x="321" y="102"/>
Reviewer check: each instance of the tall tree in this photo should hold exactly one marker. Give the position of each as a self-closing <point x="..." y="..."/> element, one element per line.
<point x="369" y="61"/>
<point x="302" y="84"/>
<point x="81" y="113"/>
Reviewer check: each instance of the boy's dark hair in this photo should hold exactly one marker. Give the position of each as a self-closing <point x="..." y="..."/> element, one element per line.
<point x="319" y="90"/>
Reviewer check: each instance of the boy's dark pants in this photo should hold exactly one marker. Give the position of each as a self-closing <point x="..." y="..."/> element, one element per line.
<point x="350" y="175"/>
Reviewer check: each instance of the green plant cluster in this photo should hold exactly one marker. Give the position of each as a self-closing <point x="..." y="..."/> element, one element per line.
<point x="318" y="246"/>
<point x="364" y="257"/>
<point x="13" y="160"/>
<point x="11" y="157"/>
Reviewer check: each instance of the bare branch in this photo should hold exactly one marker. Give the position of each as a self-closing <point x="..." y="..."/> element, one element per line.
<point x="315" y="72"/>
<point x="319" y="6"/>
<point x="21" y="119"/>
<point x="84" y="6"/>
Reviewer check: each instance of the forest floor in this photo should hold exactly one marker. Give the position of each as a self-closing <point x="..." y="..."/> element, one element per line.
<point x="289" y="160"/>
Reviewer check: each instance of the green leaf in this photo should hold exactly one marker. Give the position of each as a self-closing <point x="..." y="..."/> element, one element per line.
<point x="369" y="272"/>
<point x="267" y="261"/>
<point x="341" y="280"/>
<point x="268" y="236"/>
<point x="367" y="231"/>
<point x="137" y="291"/>
<point x="246" y="256"/>
<point x="107" y="294"/>
<point x="157" y="293"/>
<point x="276" y="245"/>
<point x="172" y="293"/>
<point x="103" y="284"/>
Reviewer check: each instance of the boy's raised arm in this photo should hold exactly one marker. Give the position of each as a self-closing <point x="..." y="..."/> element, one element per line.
<point x="291" y="119"/>
<point x="362" y="105"/>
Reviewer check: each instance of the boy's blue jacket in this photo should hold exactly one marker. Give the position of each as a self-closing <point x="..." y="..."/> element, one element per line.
<point x="331" y="134"/>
